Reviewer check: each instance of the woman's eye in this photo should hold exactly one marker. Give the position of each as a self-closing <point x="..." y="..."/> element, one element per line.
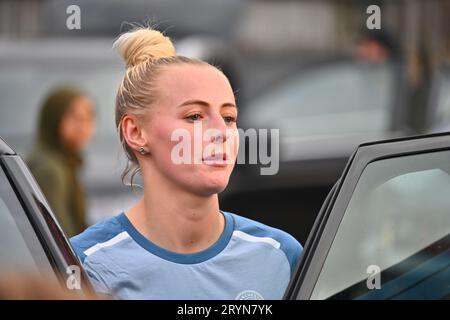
<point x="194" y="117"/>
<point x="229" y="119"/>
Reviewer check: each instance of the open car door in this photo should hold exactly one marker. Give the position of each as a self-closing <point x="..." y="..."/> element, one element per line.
<point x="384" y="230"/>
<point x="32" y="242"/>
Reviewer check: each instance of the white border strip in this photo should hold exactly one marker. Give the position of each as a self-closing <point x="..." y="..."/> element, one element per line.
<point x="121" y="236"/>
<point x="251" y="238"/>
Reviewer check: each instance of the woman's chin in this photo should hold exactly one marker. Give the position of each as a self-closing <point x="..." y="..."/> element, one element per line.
<point x="211" y="187"/>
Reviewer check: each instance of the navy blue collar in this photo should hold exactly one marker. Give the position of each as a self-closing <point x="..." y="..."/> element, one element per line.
<point x="184" y="258"/>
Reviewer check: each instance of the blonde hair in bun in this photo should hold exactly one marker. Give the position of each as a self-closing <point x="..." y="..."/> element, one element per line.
<point x="146" y="53"/>
<point x="143" y="44"/>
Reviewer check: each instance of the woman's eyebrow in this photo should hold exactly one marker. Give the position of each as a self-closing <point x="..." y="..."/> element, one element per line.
<point x="206" y="104"/>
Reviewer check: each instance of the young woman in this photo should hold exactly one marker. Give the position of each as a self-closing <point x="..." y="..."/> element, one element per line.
<point x="66" y="125"/>
<point x="176" y="243"/>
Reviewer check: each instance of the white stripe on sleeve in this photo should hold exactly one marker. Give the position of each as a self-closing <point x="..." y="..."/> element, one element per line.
<point x="121" y="236"/>
<point x="251" y="238"/>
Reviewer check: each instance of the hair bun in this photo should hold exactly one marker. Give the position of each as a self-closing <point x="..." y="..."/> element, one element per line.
<point x="142" y="44"/>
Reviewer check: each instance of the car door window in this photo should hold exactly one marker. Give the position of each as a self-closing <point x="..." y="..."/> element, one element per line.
<point x="20" y="249"/>
<point x="397" y="221"/>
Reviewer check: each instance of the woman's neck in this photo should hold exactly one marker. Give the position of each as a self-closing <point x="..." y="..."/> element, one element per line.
<point x="176" y="220"/>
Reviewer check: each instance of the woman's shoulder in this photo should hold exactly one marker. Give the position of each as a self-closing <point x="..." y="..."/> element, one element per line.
<point x="252" y="230"/>
<point x="96" y="236"/>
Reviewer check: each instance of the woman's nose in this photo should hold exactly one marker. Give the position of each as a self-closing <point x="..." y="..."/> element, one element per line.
<point x="219" y="130"/>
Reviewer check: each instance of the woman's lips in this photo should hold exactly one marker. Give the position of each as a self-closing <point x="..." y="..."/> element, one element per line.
<point x="218" y="160"/>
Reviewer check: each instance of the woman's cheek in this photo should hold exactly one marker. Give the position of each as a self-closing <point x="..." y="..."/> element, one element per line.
<point x="233" y="144"/>
<point x="172" y="137"/>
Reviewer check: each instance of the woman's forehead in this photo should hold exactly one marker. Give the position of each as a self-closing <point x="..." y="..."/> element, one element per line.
<point x="186" y="81"/>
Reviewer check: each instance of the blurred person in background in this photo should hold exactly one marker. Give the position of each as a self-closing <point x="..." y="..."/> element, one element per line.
<point x="66" y="125"/>
<point x="377" y="46"/>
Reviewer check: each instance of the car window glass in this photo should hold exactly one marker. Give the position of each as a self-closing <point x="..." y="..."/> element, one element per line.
<point x="398" y="222"/>
<point x="20" y="249"/>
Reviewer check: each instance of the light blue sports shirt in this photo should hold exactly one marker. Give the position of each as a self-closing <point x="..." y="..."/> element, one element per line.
<point x="249" y="261"/>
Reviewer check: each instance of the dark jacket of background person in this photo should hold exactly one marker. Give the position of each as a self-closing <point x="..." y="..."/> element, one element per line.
<point x="55" y="166"/>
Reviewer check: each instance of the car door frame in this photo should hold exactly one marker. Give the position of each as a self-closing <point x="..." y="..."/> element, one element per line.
<point x="333" y="210"/>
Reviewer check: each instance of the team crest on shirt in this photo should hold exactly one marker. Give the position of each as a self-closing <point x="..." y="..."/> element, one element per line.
<point x="249" y="295"/>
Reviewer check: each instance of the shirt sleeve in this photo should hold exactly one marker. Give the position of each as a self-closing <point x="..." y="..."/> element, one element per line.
<point x="292" y="249"/>
<point x="96" y="280"/>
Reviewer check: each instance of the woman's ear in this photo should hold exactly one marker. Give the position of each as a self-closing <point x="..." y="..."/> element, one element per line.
<point x="133" y="133"/>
